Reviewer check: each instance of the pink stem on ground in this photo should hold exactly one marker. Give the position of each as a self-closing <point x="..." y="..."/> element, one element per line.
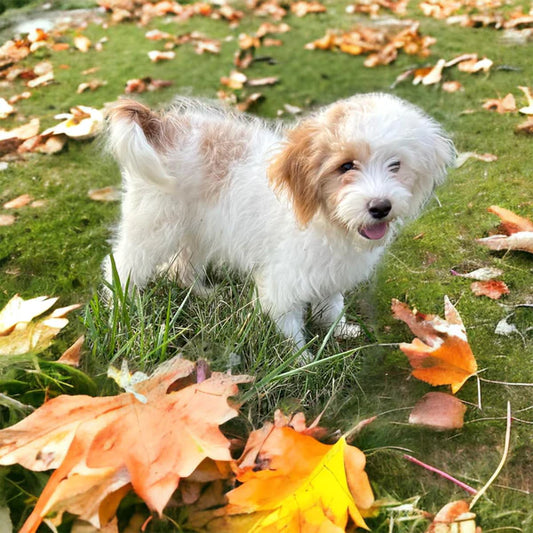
<point x="464" y="486"/>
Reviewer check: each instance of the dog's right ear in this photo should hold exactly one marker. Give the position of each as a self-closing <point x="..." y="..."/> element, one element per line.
<point x="128" y="111"/>
<point x="295" y="169"/>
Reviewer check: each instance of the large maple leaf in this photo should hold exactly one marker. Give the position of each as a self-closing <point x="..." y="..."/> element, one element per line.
<point x="442" y="355"/>
<point x="295" y="483"/>
<point x="150" y="438"/>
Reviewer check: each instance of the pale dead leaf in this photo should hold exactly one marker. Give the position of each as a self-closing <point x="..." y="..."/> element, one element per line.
<point x="18" y="202"/>
<point x="452" y="86"/>
<point x="474" y="65"/>
<point x="105" y="194"/>
<point x="507" y="104"/>
<point x="45" y="79"/>
<point x="463" y="157"/>
<point x="52" y="145"/>
<point x="522" y="241"/>
<point x="156" y="55"/>
<point x="91" y="85"/>
<point x="6" y="108"/>
<point x="82" y="43"/>
<point x="529" y="95"/>
<point x="235" y="80"/>
<point x="258" y="82"/>
<point x="26" y="131"/>
<point x="7" y="220"/>
<point x="481" y="274"/>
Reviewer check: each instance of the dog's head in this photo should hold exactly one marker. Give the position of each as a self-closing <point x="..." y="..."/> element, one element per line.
<point x="364" y="163"/>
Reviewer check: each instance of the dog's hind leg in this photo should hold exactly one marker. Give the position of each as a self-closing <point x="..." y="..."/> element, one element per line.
<point x="189" y="271"/>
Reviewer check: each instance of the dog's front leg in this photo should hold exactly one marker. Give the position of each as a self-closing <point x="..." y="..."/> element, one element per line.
<point x="330" y="311"/>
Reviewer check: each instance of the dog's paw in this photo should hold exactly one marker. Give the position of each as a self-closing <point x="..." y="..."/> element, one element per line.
<point x="347" y="330"/>
<point x="305" y="358"/>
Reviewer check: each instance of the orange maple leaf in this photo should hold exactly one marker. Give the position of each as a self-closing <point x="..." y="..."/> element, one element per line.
<point x="442" y="355"/>
<point x="101" y="445"/>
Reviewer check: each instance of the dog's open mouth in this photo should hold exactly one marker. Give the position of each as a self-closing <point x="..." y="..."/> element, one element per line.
<point x="374" y="232"/>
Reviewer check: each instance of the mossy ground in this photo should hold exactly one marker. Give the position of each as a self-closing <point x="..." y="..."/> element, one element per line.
<point x="57" y="250"/>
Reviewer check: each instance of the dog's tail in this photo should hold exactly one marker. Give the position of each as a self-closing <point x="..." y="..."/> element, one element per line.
<point x="136" y="139"/>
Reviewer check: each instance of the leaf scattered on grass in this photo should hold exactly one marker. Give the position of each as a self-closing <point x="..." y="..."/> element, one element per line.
<point x="493" y="289"/>
<point x="18" y="202"/>
<point x="480" y="274"/>
<point x="463" y="157"/>
<point x="83" y="122"/>
<point x="507" y="104"/>
<point x="442" y="355"/>
<point x="105" y="194"/>
<point x="72" y="355"/>
<point x="439" y="411"/>
<point x="156" y="55"/>
<point x="7" y="220"/>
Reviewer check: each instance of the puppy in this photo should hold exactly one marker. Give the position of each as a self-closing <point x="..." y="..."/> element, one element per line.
<point x="307" y="211"/>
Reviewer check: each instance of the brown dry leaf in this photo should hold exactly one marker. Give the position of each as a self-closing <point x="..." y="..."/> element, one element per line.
<point x="494" y="289"/>
<point x="249" y="101"/>
<point x="480" y="274"/>
<point x="507" y="104"/>
<point x="268" y="27"/>
<point x="52" y="144"/>
<point x="106" y="194"/>
<point x="439" y="411"/>
<point x="302" y="8"/>
<point x="7" y="220"/>
<point x="26" y="131"/>
<point x="17" y="97"/>
<point x="82" y="43"/>
<point x="99" y="446"/>
<point x="432" y="76"/>
<point x="529" y="95"/>
<point x="158" y="35"/>
<point x="442" y="355"/>
<point x="373" y="7"/>
<point x="18" y="202"/>
<point x="454" y="517"/>
<point x="156" y="56"/>
<point x="72" y="355"/>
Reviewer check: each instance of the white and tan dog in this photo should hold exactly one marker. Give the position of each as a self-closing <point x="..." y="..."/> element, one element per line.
<point x="307" y="212"/>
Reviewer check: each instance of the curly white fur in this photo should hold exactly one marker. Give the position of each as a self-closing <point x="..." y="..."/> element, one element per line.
<point x="307" y="211"/>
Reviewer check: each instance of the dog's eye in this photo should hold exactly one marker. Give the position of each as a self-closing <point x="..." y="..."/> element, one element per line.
<point x="394" y="166"/>
<point x="349" y="165"/>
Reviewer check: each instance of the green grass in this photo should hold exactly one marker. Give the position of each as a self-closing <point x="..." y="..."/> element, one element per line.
<point x="57" y="250"/>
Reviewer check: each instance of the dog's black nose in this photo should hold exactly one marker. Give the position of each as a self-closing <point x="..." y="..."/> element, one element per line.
<point x="379" y="208"/>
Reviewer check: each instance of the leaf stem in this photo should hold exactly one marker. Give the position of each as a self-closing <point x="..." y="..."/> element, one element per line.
<point x="502" y="461"/>
<point x="464" y="486"/>
<point x="505" y="383"/>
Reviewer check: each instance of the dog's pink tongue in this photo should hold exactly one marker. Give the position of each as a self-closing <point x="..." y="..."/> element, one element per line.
<point x="376" y="231"/>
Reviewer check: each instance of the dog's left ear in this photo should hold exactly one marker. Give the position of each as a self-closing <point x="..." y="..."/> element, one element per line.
<point x="295" y="169"/>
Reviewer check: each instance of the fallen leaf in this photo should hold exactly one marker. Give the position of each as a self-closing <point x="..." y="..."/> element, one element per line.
<point x="480" y="274"/>
<point x="106" y="194"/>
<point x="52" y="144"/>
<point x="529" y="95"/>
<point x="296" y="484"/>
<point x="17" y="97"/>
<point x="525" y="127"/>
<point x="463" y="157"/>
<point x="235" y="80"/>
<point x="250" y="100"/>
<point x="71" y="356"/>
<point x="22" y="133"/>
<point x="474" y="65"/>
<point x="18" y="202"/>
<point x="510" y="222"/>
<point x="434" y="75"/>
<point x="89" y="86"/>
<point x="452" y="86"/>
<point x="454" y="517"/>
<point x="6" y="108"/>
<point x="302" y="8"/>
<point x="258" y="82"/>
<point x="521" y="241"/>
<point x="20" y="335"/>
<point x="442" y="355"/>
<point x="507" y="104"/>
<point x="156" y="55"/>
<point x="83" y="122"/>
<point x="7" y="220"/>
<point x="99" y="446"/>
<point x="439" y="411"/>
<point x="492" y="288"/>
<point x="82" y="43"/>
<point x="45" y="79"/>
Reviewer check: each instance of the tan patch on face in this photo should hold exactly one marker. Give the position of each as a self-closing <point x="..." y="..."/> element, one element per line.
<point x="221" y="146"/>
